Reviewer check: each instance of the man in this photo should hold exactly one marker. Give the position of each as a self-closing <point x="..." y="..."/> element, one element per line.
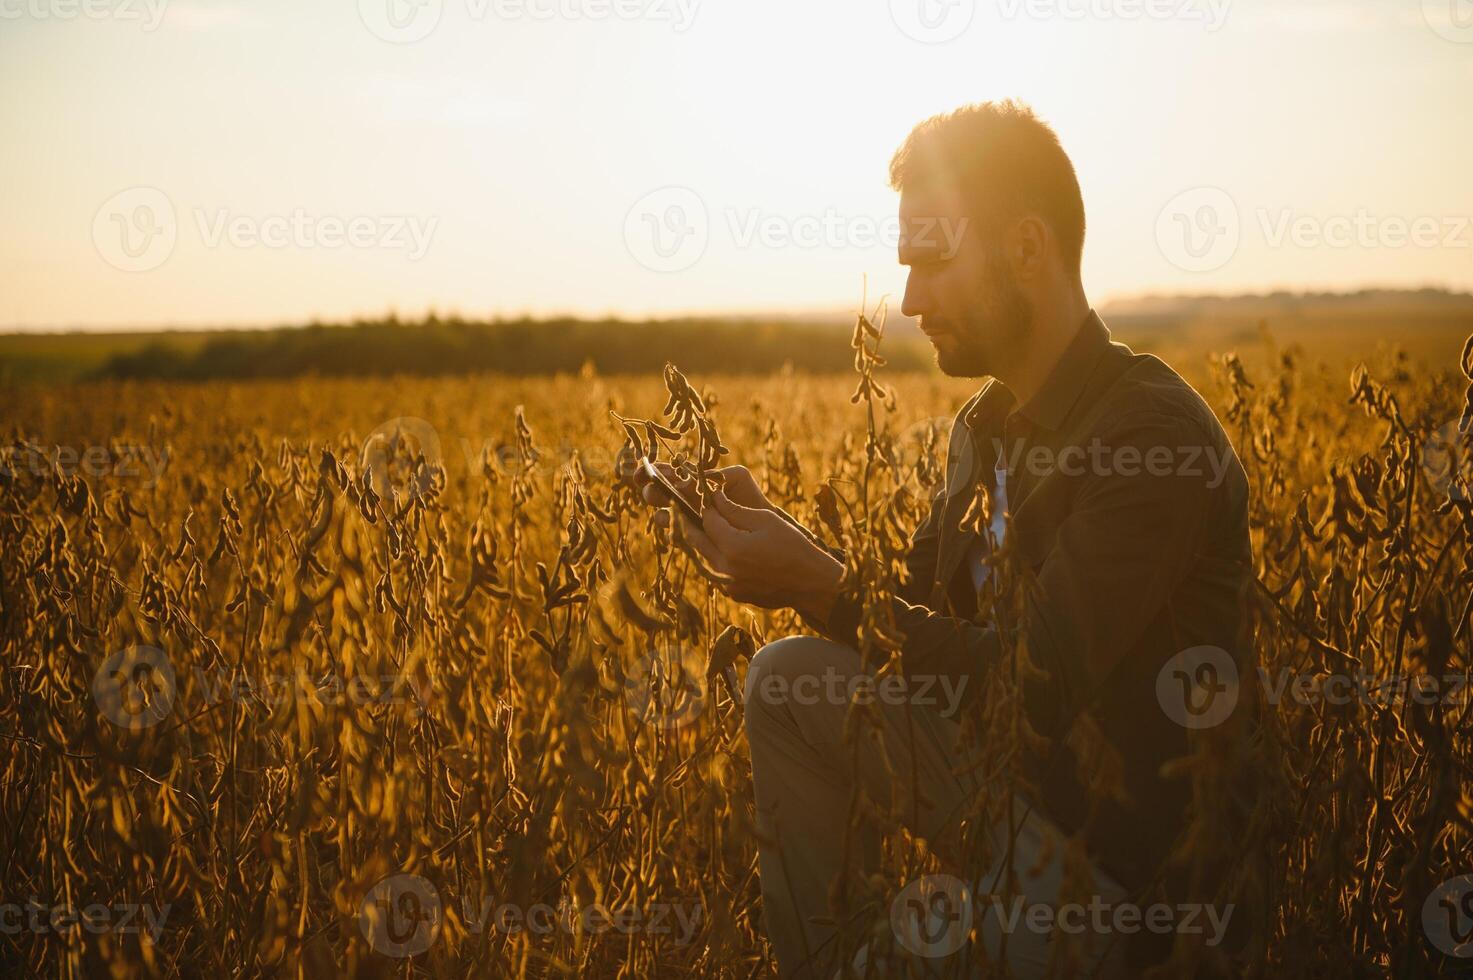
<point x="1119" y="492"/>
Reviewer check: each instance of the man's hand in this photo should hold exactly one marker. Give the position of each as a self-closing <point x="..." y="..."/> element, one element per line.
<point x="763" y="559"/>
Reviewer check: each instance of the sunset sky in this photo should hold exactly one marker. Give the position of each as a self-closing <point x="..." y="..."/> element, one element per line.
<point x="198" y="163"/>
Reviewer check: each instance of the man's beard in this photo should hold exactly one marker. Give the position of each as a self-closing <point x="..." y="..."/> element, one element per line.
<point x="987" y="337"/>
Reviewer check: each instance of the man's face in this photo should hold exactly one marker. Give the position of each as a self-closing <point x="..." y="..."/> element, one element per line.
<point x="960" y="285"/>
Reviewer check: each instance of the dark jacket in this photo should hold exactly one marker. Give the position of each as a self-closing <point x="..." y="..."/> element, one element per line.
<point x="1129" y="505"/>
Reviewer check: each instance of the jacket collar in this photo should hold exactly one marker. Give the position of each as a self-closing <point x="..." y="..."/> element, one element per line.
<point x="1050" y="405"/>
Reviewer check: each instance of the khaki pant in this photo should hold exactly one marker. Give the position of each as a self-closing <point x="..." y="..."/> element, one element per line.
<point x="803" y="776"/>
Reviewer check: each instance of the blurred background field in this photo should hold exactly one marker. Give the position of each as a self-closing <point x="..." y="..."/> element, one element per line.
<point x="1422" y="322"/>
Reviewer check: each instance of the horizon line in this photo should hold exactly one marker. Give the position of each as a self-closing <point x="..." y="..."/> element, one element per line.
<point x="741" y="312"/>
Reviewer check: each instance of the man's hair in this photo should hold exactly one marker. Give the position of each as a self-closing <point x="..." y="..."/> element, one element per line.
<point x="1005" y="162"/>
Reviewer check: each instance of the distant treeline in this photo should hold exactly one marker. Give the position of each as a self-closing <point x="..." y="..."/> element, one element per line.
<point x="444" y="347"/>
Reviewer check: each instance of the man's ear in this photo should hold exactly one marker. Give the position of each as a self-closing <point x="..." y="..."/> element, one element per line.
<point x="1029" y="240"/>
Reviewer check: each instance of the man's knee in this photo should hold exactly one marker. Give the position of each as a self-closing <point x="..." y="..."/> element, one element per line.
<point x="792" y="672"/>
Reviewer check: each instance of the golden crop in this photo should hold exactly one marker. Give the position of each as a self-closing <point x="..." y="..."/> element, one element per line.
<point x="425" y="628"/>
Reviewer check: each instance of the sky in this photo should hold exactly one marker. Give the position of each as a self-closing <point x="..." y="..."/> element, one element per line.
<point x="198" y="163"/>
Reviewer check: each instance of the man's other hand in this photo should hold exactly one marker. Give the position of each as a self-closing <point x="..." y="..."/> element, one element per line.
<point x="763" y="559"/>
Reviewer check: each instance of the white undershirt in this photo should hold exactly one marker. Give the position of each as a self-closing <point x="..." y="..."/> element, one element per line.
<point x="977" y="554"/>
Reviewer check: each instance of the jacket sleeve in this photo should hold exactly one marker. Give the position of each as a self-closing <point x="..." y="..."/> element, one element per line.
<point x="920" y="562"/>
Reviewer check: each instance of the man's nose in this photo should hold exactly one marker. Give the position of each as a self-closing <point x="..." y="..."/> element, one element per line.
<point x="913" y="303"/>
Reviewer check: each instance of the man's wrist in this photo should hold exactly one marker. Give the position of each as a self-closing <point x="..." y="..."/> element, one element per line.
<point x="823" y="590"/>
